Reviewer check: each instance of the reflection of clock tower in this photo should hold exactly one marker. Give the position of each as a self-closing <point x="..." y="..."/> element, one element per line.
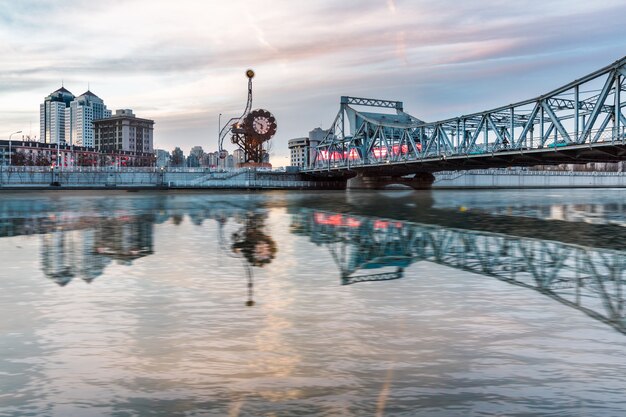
<point x="252" y="131"/>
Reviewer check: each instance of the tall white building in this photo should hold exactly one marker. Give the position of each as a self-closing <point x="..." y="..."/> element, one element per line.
<point x="302" y="150"/>
<point x="299" y="150"/>
<point x="52" y="116"/>
<point x="79" y="117"/>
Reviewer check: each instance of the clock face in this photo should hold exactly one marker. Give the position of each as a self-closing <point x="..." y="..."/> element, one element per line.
<point x="261" y="125"/>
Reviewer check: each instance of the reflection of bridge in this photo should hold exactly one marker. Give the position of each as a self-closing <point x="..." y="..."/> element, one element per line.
<point x="577" y="123"/>
<point x="590" y="280"/>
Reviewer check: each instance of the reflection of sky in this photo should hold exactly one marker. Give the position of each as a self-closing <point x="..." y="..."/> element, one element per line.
<point x="182" y="63"/>
<point x="172" y="334"/>
<point x="602" y="206"/>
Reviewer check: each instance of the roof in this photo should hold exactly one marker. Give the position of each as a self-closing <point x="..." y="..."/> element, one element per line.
<point x="89" y="93"/>
<point x="62" y="90"/>
<point x="398" y="120"/>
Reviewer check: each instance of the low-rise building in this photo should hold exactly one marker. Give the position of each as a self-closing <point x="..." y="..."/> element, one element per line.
<point x="29" y="153"/>
<point x="123" y="131"/>
<point x="299" y="150"/>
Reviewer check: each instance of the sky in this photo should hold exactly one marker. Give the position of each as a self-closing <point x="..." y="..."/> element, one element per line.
<point x="182" y="63"/>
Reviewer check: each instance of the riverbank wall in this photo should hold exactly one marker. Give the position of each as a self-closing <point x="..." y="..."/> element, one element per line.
<point x="156" y="179"/>
<point x="19" y="178"/>
<point x="490" y="179"/>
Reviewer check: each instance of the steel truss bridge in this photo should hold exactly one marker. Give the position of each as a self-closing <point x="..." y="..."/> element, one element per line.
<point x="372" y="249"/>
<point x="578" y="123"/>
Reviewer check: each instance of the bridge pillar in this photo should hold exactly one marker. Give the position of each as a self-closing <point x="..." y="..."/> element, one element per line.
<point x="421" y="181"/>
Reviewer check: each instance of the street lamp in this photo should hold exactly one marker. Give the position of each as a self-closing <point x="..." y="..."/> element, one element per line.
<point x="14" y="133"/>
<point x="219" y="127"/>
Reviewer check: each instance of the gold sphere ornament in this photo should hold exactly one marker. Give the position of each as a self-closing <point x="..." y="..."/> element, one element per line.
<point x="250" y="73"/>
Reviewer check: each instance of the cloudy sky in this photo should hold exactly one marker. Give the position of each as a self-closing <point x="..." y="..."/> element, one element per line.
<point x="182" y="62"/>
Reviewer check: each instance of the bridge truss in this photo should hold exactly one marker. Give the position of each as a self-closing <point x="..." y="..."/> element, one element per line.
<point x="583" y="114"/>
<point x="371" y="249"/>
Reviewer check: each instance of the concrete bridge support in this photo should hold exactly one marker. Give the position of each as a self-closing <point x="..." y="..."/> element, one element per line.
<point x="421" y="181"/>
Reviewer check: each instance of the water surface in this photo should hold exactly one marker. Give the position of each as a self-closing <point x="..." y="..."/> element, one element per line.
<point x="442" y="303"/>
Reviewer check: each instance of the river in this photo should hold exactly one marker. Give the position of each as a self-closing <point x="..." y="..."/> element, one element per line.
<point x="394" y="303"/>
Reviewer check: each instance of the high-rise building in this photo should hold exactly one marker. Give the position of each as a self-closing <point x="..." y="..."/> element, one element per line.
<point x="79" y="117"/>
<point x="52" y="116"/>
<point x="123" y="132"/>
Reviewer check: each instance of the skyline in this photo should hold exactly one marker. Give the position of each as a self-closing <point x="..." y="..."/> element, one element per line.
<point x="183" y="64"/>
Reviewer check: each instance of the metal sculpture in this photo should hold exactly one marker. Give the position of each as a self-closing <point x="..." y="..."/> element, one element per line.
<point x="250" y="131"/>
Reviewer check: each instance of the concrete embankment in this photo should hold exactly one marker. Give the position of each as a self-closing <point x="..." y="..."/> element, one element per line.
<point x="17" y="178"/>
<point x="127" y="179"/>
<point x="528" y="179"/>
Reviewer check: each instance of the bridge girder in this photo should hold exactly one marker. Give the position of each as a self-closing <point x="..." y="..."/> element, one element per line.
<point x="586" y="111"/>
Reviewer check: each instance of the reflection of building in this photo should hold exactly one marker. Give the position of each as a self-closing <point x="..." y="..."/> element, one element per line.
<point x="124" y="132"/>
<point x="69" y="254"/>
<point x="57" y="255"/>
<point x="79" y="117"/>
<point x="85" y="247"/>
<point x="125" y="238"/>
<point x="52" y="116"/>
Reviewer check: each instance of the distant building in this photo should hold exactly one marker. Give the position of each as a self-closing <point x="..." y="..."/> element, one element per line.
<point x="178" y="158"/>
<point x="195" y="157"/>
<point x="193" y="161"/>
<point x="124" y="132"/>
<point x="197" y="151"/>
<point x="79" y="117"/>
<point x="299" y="150"/>
<point x="239" y="156"/>
<point x="316" y="136"/>
<point x="229" y="162"/>
<point x="205" y="161"/>
<point x="213" y="159"/>
<point x="162" y="157"/>
<point x="221" y="162"/>
<point x="52" y="116"/>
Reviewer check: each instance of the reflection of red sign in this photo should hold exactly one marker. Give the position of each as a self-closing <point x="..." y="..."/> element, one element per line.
<point x="340" y="220"/>
<point x="335" y="220"/>
<point x="385" y="224"/>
